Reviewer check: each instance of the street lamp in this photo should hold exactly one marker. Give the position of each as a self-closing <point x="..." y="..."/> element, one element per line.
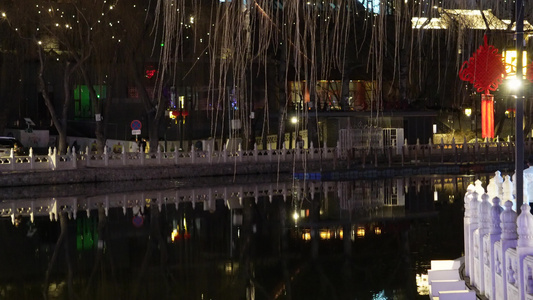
<point x="519" y="131"/>
<point x="294" y="121"/>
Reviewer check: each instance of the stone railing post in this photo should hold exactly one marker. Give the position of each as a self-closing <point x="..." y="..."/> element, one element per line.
<point x="524" y="245"/>
<point x="124" y="156"/>
<point x="256" y="158"/>
<point x="87" y="157"/>
<point x="466" y="223"/>
<point x="74" y="158"/>
<point x="106" y="156"/>
<point x="52" y="155"/>
<point x="490" y="240"/>
<point x="239" y="151"/>
<point x="176" y="156"/>
<point x="225" y="153"/>
<point x="474" y="219"/>
<point x="158" y="154"/>
<point x="142" y="155"/>
<point x="209" y="154"/>
<point x="498" y="180"/>
<point x="311" y="150"/>
<point x="12" y="158"/>
<point x="509" y="238"/>
<point x="508" y="190"/>
<point x="481" y="255"/>
<point x="32" y="161"/>
<point x="193" y="155"/>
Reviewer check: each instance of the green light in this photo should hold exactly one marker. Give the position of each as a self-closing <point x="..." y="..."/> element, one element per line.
<point x="162" y="44"/>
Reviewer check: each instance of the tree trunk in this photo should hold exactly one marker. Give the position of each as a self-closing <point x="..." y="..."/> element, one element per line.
<point x="282" y="96"/>
<point x="97" y="105"/>
<point x="60" y="124"/>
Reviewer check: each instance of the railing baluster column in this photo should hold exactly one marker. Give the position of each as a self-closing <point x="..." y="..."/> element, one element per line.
<point x="74" y="158"/>
<point x="32" y="160"/>
<point x="106" y="156"/>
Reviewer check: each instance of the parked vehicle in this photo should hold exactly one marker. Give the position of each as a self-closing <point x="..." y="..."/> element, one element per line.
<point x="7" y="143"/>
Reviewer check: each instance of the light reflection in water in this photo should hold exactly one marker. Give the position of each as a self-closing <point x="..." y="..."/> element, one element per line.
<point x="365" y="239"/>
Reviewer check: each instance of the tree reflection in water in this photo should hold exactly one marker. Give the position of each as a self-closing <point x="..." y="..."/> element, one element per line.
<point x="297" y="240"/>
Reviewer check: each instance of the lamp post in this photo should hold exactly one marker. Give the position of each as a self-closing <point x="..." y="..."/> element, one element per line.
<point x="468" y="113"/>
<point x="294" y="122"/>
<point x="519" y="119"/>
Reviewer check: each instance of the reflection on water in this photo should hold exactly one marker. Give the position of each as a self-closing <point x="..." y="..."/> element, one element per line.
<point x="292" y="240"/>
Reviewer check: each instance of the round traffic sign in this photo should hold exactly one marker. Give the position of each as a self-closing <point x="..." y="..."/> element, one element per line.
<point x="137" y="221"/>
<point x="136" y="125"/>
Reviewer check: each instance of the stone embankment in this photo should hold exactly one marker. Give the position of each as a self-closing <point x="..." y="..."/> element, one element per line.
<point x="319" y="170"/>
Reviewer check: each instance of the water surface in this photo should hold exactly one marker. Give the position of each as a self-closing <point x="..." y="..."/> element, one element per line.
<point x="238" y="239"/>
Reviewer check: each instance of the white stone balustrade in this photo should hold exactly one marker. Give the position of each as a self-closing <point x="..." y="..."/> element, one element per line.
<point x="416" y="154"/>
<point x="498" y="242"/>
<point x="73" y="160"/>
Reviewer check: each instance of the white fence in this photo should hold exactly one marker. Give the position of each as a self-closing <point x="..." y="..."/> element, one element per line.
<point x="120" y="154"/>
<point x="74" y="160"/>
<point x="498" y="243"/>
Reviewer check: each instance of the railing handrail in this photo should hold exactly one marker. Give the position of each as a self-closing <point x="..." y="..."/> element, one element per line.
<point x="417" y="154"/>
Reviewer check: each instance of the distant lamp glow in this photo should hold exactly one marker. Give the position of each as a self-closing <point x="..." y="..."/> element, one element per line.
<point x="360" y="231"/>
<point x="295" y="216"/>
<point x="468" y="112"/>
<point x="325" y="234"/>
<point x="434" y="128"/>
<point x="174" y="235"/>
<point x="435" y="196"/>
<point x="294" y="120"/>
<point x="510" y="113"/>
<point x="514" y="84"/>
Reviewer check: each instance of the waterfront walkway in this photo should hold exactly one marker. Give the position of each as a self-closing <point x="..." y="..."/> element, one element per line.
<point x="324" y="163"/>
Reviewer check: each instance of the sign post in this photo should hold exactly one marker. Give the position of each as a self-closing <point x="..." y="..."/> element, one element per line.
<point x="136" y="128"/>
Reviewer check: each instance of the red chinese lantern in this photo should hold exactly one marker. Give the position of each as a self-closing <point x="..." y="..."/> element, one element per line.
<point x="485" y="70"/>
<point x="175" y="113"/>
<point x="184" y="113"/>
<point x="487" y="115"/>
